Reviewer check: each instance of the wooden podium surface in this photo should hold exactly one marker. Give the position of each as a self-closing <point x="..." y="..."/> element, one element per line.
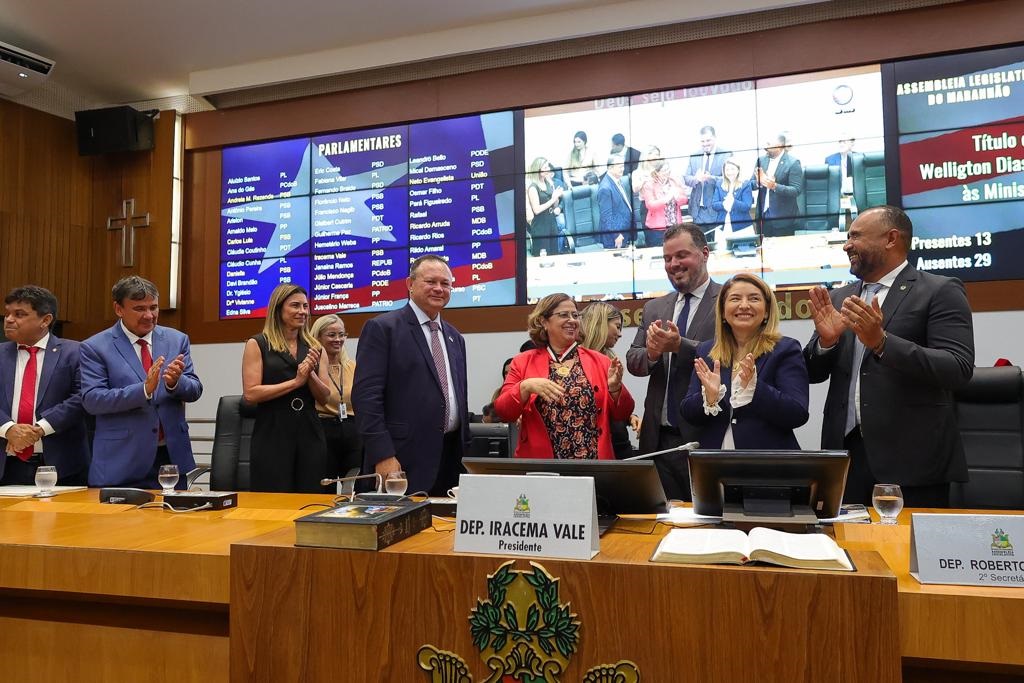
<point x="92" y="592"/>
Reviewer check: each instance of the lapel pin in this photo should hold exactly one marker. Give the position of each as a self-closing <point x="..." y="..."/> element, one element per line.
<point x="902" y="287"/>
<point x="451" y="340"/>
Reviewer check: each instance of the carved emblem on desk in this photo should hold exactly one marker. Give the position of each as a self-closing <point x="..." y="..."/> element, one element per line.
<point x="524" y="634"/>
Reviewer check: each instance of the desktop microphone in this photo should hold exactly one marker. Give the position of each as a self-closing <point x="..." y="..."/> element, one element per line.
<point x="355" y="477"/>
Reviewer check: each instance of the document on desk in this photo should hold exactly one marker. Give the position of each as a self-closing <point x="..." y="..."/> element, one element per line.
<point x="685" y="516"/>
<point x="732" y="546"/>
<point x="28" y="491"/>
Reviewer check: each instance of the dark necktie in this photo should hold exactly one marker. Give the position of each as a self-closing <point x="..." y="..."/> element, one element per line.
<point x="867" y="293"/>
<point x="442" y="373"/>
<point x="704" y="169"/>
<point x="674" y="390"/>
<point x="27" y="400"/>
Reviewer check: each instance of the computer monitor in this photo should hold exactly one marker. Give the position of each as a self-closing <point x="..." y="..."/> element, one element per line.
<point x="489" y="440"/>
<point x="622" y="488"/>
<point x="768" y="486"/>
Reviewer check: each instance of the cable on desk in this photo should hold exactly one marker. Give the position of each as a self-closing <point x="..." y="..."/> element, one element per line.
<point x="161" y="505"/>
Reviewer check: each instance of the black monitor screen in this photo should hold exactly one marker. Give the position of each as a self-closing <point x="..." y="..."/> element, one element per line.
<point x="489" y="439"/>
<point x="628" y="488"/>
<point x="716" y="475"/>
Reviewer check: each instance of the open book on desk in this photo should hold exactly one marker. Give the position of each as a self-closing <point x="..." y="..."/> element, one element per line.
<point x="731" y="546"/>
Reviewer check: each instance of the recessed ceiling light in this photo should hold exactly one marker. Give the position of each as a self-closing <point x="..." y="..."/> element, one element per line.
<point x="22" y="75"/>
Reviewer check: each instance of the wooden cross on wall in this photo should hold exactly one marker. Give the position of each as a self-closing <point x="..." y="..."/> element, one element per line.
<point x="126" y="223"/>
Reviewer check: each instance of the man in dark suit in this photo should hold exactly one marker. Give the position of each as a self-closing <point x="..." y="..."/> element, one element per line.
<point x="779" y="184"/>
<point x="616" y="208"/>
<point x="41" y="417"/>
<point x="895" y="344"/>
<point x="630" y="155"/>
<point x="136" y="394"/>
<point x="664" y="348"/>
<point x="703" y="172"/>
<point x="410" y="389"/>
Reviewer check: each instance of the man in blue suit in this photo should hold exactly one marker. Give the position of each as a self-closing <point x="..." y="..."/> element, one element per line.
<point x="136" y="394"/>
<point x="409" y="391"/>
<point x="703" y="173"/>
<point x="615" y="205"/>
<point x="41" y="417"/>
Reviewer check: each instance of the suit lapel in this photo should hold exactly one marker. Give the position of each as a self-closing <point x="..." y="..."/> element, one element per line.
<point x="704" y="314"/>
<point x="899" y="291"/>
<point x="49" y="365"/>
<point x="416" y="330"/>
<point x="127" y="351"/>
<point x="10" y="363"/>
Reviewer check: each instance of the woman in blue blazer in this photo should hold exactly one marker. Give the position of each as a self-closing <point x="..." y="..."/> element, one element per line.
<point x="749" y="388"/>
<point x="733" y="199"/>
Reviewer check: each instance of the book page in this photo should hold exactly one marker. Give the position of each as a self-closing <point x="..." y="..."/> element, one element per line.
<point x="797" y="546"/>
<point x="697" y="542"/>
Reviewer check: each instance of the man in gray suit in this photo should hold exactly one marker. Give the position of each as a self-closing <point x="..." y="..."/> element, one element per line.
<point x="895" y="345"/>
<point x="664" y="348"/>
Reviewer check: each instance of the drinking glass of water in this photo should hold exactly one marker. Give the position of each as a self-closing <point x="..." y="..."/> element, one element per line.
<point x="396" y="483"/>
<point x="168" y="478"/>
<point x="887" y="500"/>
<point x="46" y="479"/>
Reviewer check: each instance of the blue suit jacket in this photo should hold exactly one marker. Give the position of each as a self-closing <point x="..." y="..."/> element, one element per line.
<point x="397" y="396"/>
<point x="743" y="199"/>
<point x="58" y="401"/>
<point x="779" y="405"/>
<point x="113" y="389"/>
<point x="703" y="212"/>
<point x="616" y="213"/>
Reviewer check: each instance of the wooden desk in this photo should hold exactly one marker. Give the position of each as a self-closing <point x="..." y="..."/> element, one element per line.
<point x="971" y="632"/>
<point x="92" y="592"/>
<point x="309" y="614"/>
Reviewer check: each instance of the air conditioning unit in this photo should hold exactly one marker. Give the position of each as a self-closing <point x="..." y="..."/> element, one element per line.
<point x="21" y="70"/>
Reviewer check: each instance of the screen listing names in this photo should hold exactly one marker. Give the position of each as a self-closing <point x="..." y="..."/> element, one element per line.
<point x="344" y="214"/>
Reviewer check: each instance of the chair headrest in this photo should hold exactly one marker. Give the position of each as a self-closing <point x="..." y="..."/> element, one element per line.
<point x="994" y="385"/>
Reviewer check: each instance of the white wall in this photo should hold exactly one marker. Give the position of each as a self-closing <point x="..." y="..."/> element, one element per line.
<point x="996" y="335"/>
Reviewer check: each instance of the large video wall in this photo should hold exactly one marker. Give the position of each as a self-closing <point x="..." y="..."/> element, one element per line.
<point x="575" y="197"/>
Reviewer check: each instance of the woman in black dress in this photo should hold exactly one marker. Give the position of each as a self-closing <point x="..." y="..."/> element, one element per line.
<point x="543" y="201"/>
<point x="279" y="376"/>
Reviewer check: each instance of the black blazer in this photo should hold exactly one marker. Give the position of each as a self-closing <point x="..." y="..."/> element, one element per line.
<point x="907" y="411"/>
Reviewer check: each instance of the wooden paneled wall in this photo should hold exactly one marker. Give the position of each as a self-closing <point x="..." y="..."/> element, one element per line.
<point x="808" y="47"/>
<point x="54" y="206"/>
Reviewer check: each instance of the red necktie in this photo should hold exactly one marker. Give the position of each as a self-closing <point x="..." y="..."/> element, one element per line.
<point x="27" y="401"/>
<point x="147" y="363"/>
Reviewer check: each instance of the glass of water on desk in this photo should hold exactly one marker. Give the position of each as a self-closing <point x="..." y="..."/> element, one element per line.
<point x="396" y="483"/>
<point x="887" y="500"/>
<point x="46" y="479"/>
<point x="168" y="478"/>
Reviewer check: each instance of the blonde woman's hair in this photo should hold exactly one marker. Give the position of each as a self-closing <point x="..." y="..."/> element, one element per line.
<point x="273" y="329"/>
<point x="594" y="326"/>
<point x="543" y="310"/>
<point x="727" y="350"/>
<point x="321" y="324"/>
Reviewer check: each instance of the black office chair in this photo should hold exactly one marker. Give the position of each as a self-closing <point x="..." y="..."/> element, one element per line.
<point x="229" y="460"/>
<point x="822" y="186"/>
<point x="990" y="414"/>
<point x="868" y="179"/>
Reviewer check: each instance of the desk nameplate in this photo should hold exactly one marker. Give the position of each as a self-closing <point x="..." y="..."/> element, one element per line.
<point x="967" y="550"/>
<point x="530" y="516"/>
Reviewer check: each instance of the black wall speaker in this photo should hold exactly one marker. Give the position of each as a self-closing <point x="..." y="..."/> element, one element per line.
<point x="115" y="129"/>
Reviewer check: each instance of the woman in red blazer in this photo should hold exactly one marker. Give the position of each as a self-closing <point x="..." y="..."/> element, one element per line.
<point x="566" y="395"/>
